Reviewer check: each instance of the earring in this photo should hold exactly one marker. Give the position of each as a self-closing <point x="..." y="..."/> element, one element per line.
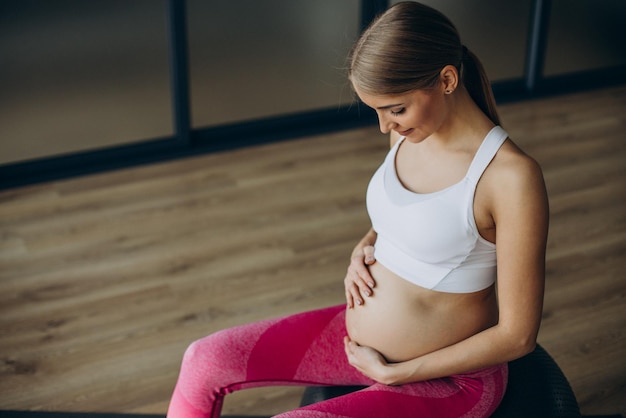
<point x="449" y="91"/>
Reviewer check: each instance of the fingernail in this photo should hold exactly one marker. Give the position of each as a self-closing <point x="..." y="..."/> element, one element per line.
<point x="367" y="293"/>
<point x="358" y="302"/>
<point x="371" y="284"/>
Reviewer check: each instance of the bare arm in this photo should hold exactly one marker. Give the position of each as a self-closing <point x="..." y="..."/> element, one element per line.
<point x="358" y="281"/>
<point x="520" y="214"/>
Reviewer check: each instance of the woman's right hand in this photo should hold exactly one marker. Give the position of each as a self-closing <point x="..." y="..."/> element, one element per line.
<point x="358" y="282"/>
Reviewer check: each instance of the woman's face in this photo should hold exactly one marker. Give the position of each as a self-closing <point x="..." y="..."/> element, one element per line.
<point x="416" y="115"/>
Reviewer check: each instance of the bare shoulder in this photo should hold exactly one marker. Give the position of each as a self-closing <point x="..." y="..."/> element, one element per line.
<point x="515" y="185"/>
<point x="511" y="167"/>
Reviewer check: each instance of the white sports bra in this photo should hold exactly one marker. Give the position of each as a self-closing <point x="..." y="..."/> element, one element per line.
<point x="431" y="239"/>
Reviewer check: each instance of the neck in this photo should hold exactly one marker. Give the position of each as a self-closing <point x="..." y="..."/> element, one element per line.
<point x="465" y="119"/>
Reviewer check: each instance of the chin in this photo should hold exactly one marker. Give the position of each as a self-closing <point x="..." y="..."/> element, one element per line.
<point x="416" y="137"/>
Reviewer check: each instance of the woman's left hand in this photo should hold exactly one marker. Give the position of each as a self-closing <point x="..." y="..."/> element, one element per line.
<point x="366" y="360"/>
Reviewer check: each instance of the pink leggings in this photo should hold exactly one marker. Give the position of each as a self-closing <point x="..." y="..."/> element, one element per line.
<point x="307" y="349"/>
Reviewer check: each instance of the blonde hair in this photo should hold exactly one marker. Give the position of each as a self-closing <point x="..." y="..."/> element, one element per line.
<point x="406" y="48"/>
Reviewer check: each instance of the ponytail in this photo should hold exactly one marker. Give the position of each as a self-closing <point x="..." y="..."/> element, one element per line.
<point x="477" y="85"/>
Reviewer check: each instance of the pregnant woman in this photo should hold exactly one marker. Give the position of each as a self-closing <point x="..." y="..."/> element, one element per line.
<point x="445" y="288"/>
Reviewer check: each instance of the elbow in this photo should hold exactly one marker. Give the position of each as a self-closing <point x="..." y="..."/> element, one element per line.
<point x="528" y="347"/>
<point x="517" y="338"/>
<point x="518" y="342"/>
<point x="522" y="346"/>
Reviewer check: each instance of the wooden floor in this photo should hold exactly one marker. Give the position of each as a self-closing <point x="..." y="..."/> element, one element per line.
<point x="106" y="279"/>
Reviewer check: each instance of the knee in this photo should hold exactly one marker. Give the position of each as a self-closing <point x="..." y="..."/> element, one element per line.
<point x="196" y="352"/>
<point x="204" y="351"/>
<point x="213" y="355"/>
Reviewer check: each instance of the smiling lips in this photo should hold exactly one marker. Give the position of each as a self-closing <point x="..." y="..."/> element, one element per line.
<point x="405" y="133"/>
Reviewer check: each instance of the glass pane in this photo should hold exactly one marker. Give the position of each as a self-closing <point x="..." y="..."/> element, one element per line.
<point x="79" y="75"/>
<point x="585" y="35"/>
<point x="251" y="59"/>
<point x="495" y="30"/>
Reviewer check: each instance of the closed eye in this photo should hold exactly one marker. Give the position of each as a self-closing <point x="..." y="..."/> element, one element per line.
<point x="398" y="112"/>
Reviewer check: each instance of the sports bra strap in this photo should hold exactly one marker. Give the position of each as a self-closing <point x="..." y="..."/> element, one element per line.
<point x="487" y="150"/>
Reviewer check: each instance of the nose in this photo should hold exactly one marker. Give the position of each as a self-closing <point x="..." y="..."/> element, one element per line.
<point x="385" y="125"/>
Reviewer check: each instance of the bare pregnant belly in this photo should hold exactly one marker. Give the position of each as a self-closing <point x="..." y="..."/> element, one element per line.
<point x="403" y="321"/>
